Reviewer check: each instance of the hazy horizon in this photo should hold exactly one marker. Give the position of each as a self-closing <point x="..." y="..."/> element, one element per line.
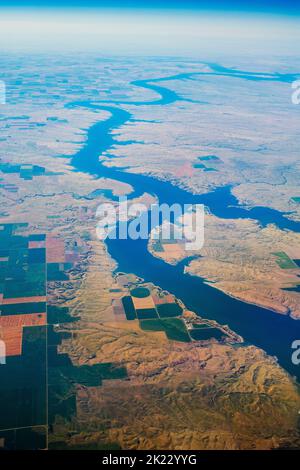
<point x="148" y="31"/>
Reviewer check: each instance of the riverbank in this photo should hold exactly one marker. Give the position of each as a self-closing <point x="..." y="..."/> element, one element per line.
<point x="272" y="332"/>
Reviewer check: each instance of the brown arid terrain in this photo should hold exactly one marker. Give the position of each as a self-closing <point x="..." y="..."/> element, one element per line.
<point x="176" y="395"/>
<point x="239" y="258"/>
<point x="118" y="384"/>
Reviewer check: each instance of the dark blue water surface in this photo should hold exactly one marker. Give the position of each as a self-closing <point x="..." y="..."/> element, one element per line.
<point x="272" y="332"/>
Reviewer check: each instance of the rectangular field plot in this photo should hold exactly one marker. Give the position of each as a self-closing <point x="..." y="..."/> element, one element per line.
<point x="12" y="327"/>
<point x="23" y="383"/>
<point x="284" y="261"/>
<point x="169" y="310"/>
<point x="174" y="328"/>
<point x="146" y="313"/>
<point x="20" y="308"/>
<point x="34" y="438"/>
<point x="143" y="303"/>
<point x="129" y="308"/>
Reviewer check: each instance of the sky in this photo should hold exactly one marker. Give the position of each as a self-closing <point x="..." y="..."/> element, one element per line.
<point x="287" y="6"/>
<point x="159" y="27"/>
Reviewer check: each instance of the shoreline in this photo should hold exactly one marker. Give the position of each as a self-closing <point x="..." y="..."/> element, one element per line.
<point x="214" y="284"/>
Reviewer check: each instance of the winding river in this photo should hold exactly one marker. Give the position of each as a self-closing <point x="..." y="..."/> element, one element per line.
<point x="268" y="330"/>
